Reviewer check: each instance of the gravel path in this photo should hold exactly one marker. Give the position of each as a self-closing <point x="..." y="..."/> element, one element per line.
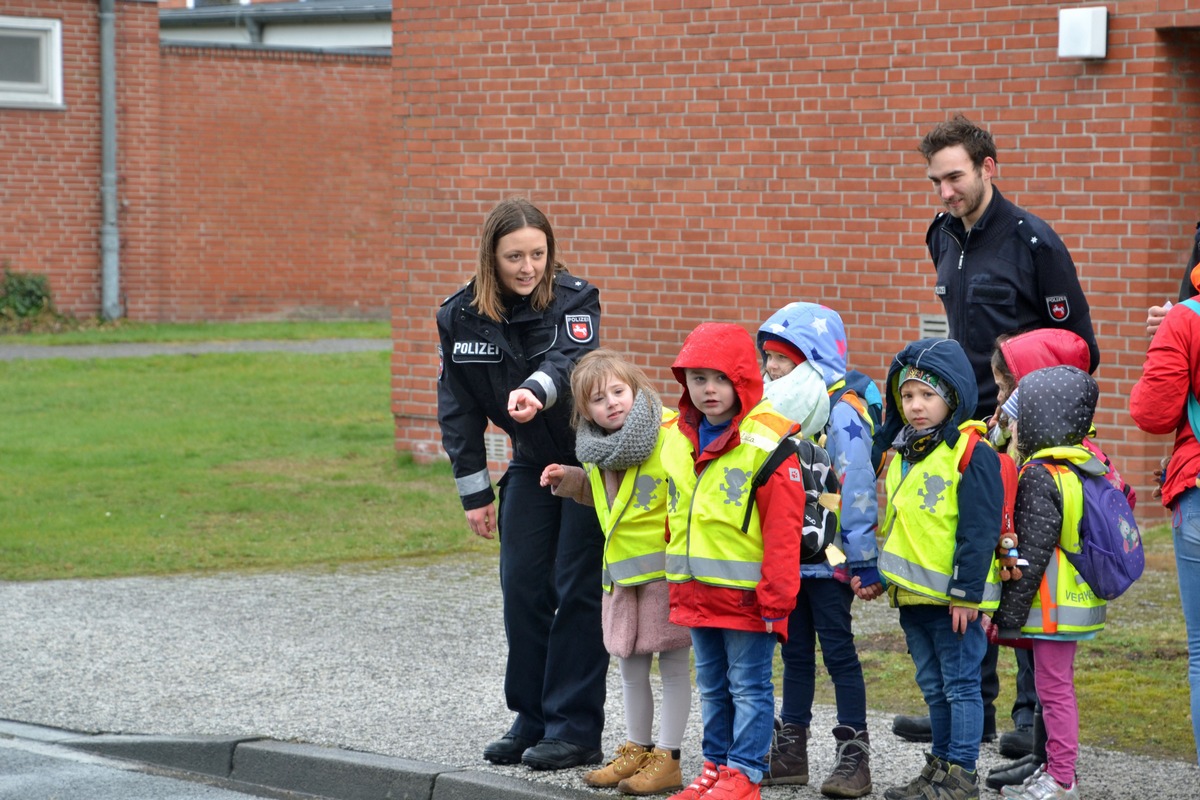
<point x="405" y="661"/>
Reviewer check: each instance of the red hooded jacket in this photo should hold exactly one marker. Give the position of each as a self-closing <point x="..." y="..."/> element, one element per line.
<point x="1054" y="347"/>
<point x="1044" y="347"/>
<point x="1158" y="402"/>
<point x="730" y="349"/>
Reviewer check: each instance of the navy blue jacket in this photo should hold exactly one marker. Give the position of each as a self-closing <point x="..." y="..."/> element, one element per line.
<point x="483" y="361"/>
<point x="1010" y="273"/>
<point x="980" y="491"/>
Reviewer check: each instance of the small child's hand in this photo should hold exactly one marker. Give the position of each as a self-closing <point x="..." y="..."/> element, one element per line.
<point x="961" y="617"/>
<point x="552" y="475"/>
<point x="869" y="592"/>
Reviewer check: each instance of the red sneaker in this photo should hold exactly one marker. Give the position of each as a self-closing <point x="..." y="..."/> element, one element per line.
<point x="733" y="784"/>
<point x="701" y="786"/>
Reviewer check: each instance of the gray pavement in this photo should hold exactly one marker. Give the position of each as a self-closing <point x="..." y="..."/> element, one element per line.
<point x="354" y="678"/>
<point x="342" y="683"/>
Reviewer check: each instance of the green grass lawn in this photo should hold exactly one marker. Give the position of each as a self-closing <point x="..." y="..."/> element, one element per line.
<point x="125" y="331"/>
<point x="180" y="464"/>
<point x="217" y="462"/>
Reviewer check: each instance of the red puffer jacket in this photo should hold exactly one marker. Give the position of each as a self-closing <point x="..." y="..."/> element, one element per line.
<point x="1158" y="402"/>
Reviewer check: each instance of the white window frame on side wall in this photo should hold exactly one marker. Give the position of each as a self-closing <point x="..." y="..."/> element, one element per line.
<point x="48" y="91"/>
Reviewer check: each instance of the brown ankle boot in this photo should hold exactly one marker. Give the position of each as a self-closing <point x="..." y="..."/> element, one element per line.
<point x="851" y="776"/>
<point x="787" y="763"/>
<point x="624" y="763"/>
<point x="659" y="772"/>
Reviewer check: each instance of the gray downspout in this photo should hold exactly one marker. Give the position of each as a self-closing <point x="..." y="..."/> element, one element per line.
<point x="110" y="240"/>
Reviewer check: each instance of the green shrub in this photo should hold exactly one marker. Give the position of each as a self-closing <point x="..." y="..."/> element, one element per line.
<point x="24" y="294"/>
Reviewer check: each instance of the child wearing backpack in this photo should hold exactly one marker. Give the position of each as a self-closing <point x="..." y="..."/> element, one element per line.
<point x="938" y="553"/>
<point x="618" y="419"/>
<point x="1054" y="414"/>
<point x="733" y="560"/>
<point x="1015" y="356"/>
<point x="807" y="338"/>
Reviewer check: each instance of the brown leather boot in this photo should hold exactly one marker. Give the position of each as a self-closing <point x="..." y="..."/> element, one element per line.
<point x="851" y="776"/>
<point x="787" y="763"/>
<point x="659" y="772"/>
<point x="624" y="763"/>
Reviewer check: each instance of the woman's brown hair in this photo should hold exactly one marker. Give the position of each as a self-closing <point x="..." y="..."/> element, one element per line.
<point x="511" y="215"/>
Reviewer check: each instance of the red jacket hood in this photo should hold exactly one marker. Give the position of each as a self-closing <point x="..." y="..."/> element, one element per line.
<point x="1044" y="347"/>
<point x="726" y="347"/>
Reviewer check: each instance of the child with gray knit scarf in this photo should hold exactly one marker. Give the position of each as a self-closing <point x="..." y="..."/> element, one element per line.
<point x="619" y="419"/>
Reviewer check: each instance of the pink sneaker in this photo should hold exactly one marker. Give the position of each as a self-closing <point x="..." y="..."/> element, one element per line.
<point x="733" y="784"/>
<point x="701" y="786"/>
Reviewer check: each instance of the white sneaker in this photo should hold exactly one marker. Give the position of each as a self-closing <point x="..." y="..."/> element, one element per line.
<point x="1041" y="786"/>
<point x="1019" y="791"/>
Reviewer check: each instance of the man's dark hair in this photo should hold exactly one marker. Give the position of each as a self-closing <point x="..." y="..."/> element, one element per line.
<point x="960" y="130"/>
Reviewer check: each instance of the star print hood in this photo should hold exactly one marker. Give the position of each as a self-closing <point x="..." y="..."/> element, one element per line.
<point x="944" y="358"/>
<point x="721" y="346"/>
<point x="1055" y="409"/>
<point x="814" y="330"/>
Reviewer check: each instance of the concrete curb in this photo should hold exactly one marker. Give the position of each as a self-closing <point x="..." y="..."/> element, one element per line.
<point x="251" y="763"/>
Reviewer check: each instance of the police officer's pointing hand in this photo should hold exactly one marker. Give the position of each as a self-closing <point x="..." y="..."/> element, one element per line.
<point x="523" y="405"/>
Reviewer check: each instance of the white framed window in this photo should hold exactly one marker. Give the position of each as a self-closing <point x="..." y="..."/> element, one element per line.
<point x="31" y="62"/>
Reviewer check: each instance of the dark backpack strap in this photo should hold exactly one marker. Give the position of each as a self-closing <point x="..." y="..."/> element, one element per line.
<point x="785" y="448"/>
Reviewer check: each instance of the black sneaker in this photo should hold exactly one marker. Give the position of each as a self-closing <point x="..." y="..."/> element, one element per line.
<point x="508" y="749"/>
<point x="913" y="729"/>
<point x="1017" y="743"/>
<point x="557" y="754"/>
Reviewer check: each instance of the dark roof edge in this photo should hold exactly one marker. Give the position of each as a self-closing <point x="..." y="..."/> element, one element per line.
<point x="218" y="16"/>
<point x="374" y="52"/>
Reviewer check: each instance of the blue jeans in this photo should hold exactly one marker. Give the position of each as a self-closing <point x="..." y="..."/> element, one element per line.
<point x="948" y="666"/>
<point x="1185" y="524"/>
<point x="822" y="611"/>
<point x="737" y="699"/>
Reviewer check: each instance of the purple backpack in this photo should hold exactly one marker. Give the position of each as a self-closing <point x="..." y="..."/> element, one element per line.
<point x="1111" y="557"/>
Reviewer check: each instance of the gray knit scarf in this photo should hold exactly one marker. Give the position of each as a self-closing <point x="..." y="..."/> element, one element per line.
<point x="625" y="448"/>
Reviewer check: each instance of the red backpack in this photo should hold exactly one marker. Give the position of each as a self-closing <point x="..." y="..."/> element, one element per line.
<point x="1006" y="540"/>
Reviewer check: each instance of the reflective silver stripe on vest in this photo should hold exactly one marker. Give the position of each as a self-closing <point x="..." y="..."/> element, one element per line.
<point x="929" y="579"/>
<point x="546" y="383"/>
<point x="677" y="567"/>
<point x="470" y="484"/>
<point x="1074" y="617"/>
<point x="710" y="570"/>
<point x="1064" y="616"/>
<point x="635" y="567"/>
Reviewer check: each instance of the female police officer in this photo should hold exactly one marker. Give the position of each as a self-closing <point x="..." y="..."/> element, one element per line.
<point x="508" y="342"/>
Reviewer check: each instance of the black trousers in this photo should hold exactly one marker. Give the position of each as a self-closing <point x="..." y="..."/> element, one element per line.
<point x="550" y="563"/>
<point x="1026" y="699"/>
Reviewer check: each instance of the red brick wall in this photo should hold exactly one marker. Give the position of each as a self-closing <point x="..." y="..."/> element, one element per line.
<point x="275" y="187"/>
<point x="50" y="164"/>
<point x="706" y="160"/>
<point x="251" y="184"/>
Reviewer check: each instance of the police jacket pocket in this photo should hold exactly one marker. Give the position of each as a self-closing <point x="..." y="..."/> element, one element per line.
<point x="991" y="311"/>
<point x="539" y="340"/>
